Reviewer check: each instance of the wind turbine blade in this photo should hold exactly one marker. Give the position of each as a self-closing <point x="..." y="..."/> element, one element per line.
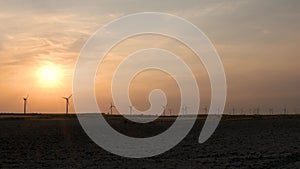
<point x="70" y="96"/>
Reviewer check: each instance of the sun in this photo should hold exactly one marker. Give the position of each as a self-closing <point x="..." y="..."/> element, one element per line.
<point x="49" y="75"/>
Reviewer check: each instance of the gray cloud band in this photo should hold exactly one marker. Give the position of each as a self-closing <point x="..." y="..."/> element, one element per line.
<point x="108" y="36"/>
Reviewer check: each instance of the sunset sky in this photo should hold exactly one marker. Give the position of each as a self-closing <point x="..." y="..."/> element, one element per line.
<point x="257" y="40"/>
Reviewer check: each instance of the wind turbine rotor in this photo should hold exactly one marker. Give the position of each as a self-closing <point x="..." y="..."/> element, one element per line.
<point x="25" y="98"/>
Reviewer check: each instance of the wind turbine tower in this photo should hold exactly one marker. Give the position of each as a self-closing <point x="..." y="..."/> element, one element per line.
<point x="25" y="103"/>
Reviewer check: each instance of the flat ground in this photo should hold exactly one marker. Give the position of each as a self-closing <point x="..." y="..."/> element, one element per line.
<point x="62" y="143"/>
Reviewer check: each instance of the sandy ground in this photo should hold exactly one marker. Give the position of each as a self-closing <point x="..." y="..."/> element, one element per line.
<point x="61" y="143"/>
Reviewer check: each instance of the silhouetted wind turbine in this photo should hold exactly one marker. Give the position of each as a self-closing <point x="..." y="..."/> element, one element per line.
<point x="170" y="110"/>
<point x="250" y="111"/>
<point x="67" y="103"/>
<point x="284" y="111"/>
<point x="164" y="107"/>
<point x="130" y="110"/>
<point x="111" y="108"/>
<point x="25" y="103"/>
<point x="271" y="110"/>
<point x="205" y="110"/>
<point x="242" y="111"/>
<point x="233" y="111"/>
<point x="258" y="111"/>
<point x="185" y="109"/>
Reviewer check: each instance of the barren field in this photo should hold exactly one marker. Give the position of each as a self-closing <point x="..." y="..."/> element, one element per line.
<point x="62" y="143"/>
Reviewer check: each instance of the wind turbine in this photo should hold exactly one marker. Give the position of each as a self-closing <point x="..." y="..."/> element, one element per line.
<point x="258" y="111"/>
<point x="250" y="111"/>
<point x="67" y="103"/>
<point x="271" y="110"/>
<point x="170" y="110"/>
<point x="130" y="110"/>
<point x="284" y="111"/>
<point x="205" y="109"/>
<point x="185" y="109"/>
<point x="164" y="107"/>
<point x="25" y="103"/>
<point x="242" y="111"/>
<point x="111" y="108"/>
<point x="233" y="110"/>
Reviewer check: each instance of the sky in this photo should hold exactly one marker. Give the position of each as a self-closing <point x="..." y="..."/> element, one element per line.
<point x="257" y="40"/>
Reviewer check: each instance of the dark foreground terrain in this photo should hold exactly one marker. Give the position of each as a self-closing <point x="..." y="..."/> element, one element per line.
<point x="61" y="143"/>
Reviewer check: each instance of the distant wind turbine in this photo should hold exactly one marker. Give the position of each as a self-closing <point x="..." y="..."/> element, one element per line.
<point x="25" y="103"/>
<point x="271" y="110"/>
<point x="219" y="111"/>
<point x="242" y="111"/>
<point x="285" y="111"/>
<point x="111" y="108"/>
<point x="233" y="111"/>
<point x="250" y="111"/>
<point x="164" y="107"/>
<point x="130" y="110"/>
<point x="170" y="110"/>
<point x="205" y="110"/>
<point x="67" y="103"/>
<point x="185" y="109"/>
